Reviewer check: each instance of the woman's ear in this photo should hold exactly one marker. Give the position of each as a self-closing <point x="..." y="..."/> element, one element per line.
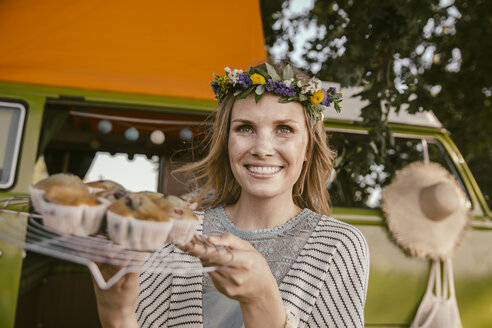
<point x="309" y="151"/>
<point x="307" y="155"/>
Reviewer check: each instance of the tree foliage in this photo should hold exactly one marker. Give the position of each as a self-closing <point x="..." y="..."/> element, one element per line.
<point x="424" y="54"/>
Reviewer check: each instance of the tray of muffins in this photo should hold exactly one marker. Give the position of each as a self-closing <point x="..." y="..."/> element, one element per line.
<point x="101" y="222"/>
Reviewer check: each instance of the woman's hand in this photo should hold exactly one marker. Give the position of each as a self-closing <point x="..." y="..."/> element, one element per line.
<point x="245" y="277"/>
<point x="116" y="305"/>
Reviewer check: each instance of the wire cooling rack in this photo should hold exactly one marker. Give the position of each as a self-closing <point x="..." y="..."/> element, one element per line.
<point x="25" y="230"/>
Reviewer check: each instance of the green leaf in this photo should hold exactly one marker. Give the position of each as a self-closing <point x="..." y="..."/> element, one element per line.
<point x="273" y="73"/>
<point x="288" y="73"/>
<point x="237" y="92"/>
<point x="247" y="92"/>
<point x="312" y="120"/>
<point x="374" y="147"/>
<point x="283" y="100"/>
<point x="262" y="71"/>
<point x="337" y="106"/>
<point x="302" y="97"/>
<point x="260" y="89"/>
<point x="258" y="97"/>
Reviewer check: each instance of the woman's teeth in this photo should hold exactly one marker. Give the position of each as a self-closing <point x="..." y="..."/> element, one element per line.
<point x="264" y="169"/>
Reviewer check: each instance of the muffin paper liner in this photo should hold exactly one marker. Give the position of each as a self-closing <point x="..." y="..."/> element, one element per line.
<point x="148" y="235"/>
<point x="36" y="197"/>
<point x="182" y="231"/>
<point x="80" y="220"/>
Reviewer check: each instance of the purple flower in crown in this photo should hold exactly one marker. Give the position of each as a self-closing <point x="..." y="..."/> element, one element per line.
<point x="269" y="85"/>
<point x="327" y="99"/>
<point x="333" y="90"/>
<point x="291" y="92"/>
<point x="245" y="81"/>
<point x="280" y="88"/>
<point x="214" y="88"/>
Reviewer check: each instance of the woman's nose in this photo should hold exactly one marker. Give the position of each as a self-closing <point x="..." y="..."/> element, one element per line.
<point x="263" y="145"/>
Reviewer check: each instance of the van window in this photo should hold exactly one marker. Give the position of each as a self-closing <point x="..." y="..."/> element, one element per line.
<point x="357" y="182"/>
<point x="136" y="174"/>
<point x="11" y="125"/>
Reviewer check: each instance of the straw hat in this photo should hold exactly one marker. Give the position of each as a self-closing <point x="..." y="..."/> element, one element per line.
<point x="426" y="210"/>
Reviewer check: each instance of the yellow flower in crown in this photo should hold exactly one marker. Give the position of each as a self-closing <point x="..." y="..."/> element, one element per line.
<point x="224" y="82"/>
<point x="257" y="79"/>
<point x="317" y="97"/>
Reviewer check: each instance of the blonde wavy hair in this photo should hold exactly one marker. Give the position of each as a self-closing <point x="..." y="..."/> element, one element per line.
<point x="213" y="173"/>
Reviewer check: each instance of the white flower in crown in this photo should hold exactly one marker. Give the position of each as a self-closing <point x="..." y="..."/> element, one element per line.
<point x="311" y="86"/>
<point x="305" y="89"/>
<point x="233" y="74"/>
<point x="289" y="82"/>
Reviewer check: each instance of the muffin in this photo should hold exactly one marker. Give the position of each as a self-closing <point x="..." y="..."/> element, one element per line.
<point x="112" y="195"/>
<point x="176" y="208"/>
<point x="144" y="221"/>
<point x="102" y="185"/>
<point x="184" y="219"/>
<point x="151" y="194"/>
<point x="61" y="179"/>
<point x="67" y="206"/>
<point x="136" y="222"/>
<point x="70" y="196"/>
<point x="139" y="206"/>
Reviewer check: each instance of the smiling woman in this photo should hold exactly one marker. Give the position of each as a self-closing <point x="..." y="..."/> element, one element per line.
<point x="267" y="150"/>
<point x="292" y="264"/>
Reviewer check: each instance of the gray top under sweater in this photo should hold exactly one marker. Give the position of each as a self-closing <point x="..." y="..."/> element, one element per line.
<point x="280" y="246"/>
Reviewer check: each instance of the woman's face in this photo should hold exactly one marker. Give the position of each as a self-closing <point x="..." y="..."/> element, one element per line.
<point x="267" y="145"/>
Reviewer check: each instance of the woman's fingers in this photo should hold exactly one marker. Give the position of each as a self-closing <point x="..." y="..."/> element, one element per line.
<point x="229" y="240"/>
<point x="210" y="254"/>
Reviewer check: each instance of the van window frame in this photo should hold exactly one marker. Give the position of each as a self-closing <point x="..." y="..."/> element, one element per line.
<point x="14" y="163"/>
<point x="424" y="139"/>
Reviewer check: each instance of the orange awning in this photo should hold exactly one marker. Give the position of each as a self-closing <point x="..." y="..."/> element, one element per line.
<point x="159" y="47"/>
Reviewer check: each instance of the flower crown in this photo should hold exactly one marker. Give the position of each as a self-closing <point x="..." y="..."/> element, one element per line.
<point x="285" y="84"/>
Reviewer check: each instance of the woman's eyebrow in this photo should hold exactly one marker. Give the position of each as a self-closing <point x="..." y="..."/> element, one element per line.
<point x="276" y="122"/>
<point x="241" y="120"/>
<point x="287" y="121"/>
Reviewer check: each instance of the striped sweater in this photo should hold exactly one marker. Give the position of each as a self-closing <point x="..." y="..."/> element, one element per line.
<point x="325" y="287"/>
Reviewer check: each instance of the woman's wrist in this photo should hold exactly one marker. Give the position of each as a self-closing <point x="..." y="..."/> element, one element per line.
<point x="264" y="311"/>
<point x="121" y="317"/>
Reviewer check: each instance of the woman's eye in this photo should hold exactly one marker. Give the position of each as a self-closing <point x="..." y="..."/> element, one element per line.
<point x="244" y="129"/>
<point x="284" y="129"/>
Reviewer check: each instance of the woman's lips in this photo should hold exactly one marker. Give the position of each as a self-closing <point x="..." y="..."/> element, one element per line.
<point x="263" y="170"/>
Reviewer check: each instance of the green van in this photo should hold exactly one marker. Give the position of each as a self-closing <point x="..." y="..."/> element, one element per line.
<point x="119" y="90"/>
<point x="49" y="129"/>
